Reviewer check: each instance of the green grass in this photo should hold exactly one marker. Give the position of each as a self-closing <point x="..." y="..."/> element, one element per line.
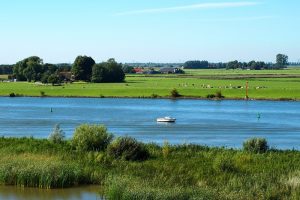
<point x="182" y="172"/>
<point x="263" y="84"/>
<point x="288" y="71"/>
<point x="139" y="86"/>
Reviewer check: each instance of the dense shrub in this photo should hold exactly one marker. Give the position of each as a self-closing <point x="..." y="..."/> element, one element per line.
<point x="12" y="95"/>
<point x="91" y="138"/>
<point x="42" y="93"/>
<point x="154" y="95"/>
<point x="256" y="145"/>
<point x="219" y="94"/>
<point x="128" y="148"/>
<point x="57" y="135"/>
<point x="175" y="93"/>
<point x="210" y="96"/>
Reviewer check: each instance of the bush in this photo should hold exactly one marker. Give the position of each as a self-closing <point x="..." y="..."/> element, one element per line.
<point x="91" y="138"/>
<point x="128" y="148"/>
<point x="256" y="145"/>
<point x="154" y="96"/>
<point x="219" y="94"/>
<point x="12" y="95"/>
<point x="175" y="93"/>
<point x="42" y="93"/>
<point x="210" y="96"/>
<point x="57" y="135"/>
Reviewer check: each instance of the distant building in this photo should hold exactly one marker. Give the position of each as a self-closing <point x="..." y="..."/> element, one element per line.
<point x="138" y="70"/>
<point x="66" y="76"/>
<point x="151" y="71"/>
<point x="170" y="70"/>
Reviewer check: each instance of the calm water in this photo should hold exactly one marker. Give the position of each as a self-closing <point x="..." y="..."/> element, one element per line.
<point x="213" y="123"/>
<point x="80" y="193"/>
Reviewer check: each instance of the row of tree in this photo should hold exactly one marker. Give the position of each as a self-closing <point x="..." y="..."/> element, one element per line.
<point x="84" y="68"/>
<point x="6" y="69"/>
<point x="281" y="62"/>
<point x="196" y="64"/>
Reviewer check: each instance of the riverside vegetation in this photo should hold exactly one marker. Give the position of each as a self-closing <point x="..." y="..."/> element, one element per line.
<point x="128" y="169"/>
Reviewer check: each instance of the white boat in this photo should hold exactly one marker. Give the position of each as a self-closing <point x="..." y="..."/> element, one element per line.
<point x="166" y="119"/>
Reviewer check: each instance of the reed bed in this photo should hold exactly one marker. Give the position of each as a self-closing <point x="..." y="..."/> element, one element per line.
<point x="171" y="172"/>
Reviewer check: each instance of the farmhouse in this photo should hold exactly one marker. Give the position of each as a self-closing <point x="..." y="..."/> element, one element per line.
<point x="170" y="70"/>
<point x="66" y="76"/>
<point x="138" y="70"/>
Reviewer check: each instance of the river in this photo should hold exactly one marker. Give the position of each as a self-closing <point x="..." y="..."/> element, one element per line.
<point x="75" y="193"/>
<point x="213" y="123"/>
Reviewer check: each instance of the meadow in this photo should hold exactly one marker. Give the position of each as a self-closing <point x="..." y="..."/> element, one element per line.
<point x="172" y="172"/>
<point x="142" y="86"/>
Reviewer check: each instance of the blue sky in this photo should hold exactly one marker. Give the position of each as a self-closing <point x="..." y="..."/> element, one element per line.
<point x="149" y="31"/>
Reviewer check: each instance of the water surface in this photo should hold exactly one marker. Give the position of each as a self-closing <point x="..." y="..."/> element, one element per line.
<point x="214" y="123"/>
<point x="76" y="193"/>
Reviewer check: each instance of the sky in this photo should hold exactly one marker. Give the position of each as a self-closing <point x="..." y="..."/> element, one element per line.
<point x="149" y="30"/>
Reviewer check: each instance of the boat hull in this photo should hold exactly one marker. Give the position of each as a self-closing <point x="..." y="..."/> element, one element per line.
<point x="166" y="120"/>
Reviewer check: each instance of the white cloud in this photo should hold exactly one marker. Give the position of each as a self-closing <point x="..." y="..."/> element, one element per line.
<point x="190" y="7"/>
<point x="257" y="18"/>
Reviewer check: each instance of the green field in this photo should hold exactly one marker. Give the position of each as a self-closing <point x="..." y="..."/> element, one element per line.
<point x="172" y="172"/>
<point x="264" y="84"/>
<point x="290" y="71"/>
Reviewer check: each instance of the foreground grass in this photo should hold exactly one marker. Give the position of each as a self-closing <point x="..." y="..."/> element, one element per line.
<point x="172" y="172"/>
<point x="140" y="86"/>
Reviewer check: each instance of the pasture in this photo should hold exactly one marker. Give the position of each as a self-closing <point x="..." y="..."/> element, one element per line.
<point x="264" y="84"/>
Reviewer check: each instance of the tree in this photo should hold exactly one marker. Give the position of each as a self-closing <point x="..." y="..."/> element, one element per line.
<point x="28" y="69"/>
<point x="50" y="68"/>
<point x="281" y="61"/>
<point x="6" y="69"/>
<point x="108" y="72"/>
<point x="91" y="138"/>
<point x="128" y="69"/>
<point x="82" y="68"/>
<point x="99" y="74"/>
<point x="253" y="65"/>
<point x="53" y="79"/>
<point x="115" y="72"/>
<point x="29" y="73"/>
<point x="234" y="65"/>
<point x="196" y="64"/>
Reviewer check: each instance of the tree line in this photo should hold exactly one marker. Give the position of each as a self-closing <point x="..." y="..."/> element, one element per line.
<point x="281" y="62"/>
<point x="6" y="69"/>
<point x="84" y="68"/>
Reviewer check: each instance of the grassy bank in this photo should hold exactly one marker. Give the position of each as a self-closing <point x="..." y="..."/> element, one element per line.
<point x="171" y="172"/>
<point x="140" y="86"/>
